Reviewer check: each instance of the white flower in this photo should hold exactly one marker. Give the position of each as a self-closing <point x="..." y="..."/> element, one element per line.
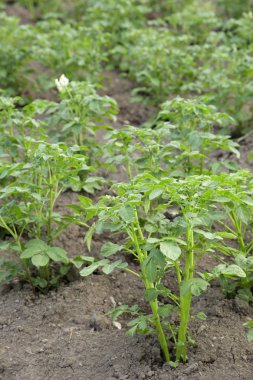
<point x="61" y="83"/>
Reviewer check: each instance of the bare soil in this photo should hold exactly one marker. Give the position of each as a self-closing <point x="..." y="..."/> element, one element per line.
<point x="67" y="335"/>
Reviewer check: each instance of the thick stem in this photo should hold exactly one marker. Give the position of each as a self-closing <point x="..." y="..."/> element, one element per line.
<point x="153" y="304"/>
<point x="160" y="333"/>
<point x="185" y="300"/>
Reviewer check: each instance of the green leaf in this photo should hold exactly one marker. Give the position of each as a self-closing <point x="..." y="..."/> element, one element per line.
<point x="207" y="235"/>
<point x="132" y="331"/>
<point x="78" y="261"/>
<point x="40" y="260"/>
<point x="85" y="201"/>
<point x="250" y="335"/>
<point x="147" y="205"/>
<point x="119" y="264"/>
<point x="229" y="270"/>
<point x="126" y="212"/>
<point x="37" y="245"/>
<point x="201" y="315"/>
<point x="88" y="236"/>
<point x="4" y="245"/>
<point x="109" y="249"/>
<point x="154" y="265"/>
<point x="58" y="255"/>
<point x="117" y="311"/>
<point x="248" y="324"/>
<point x="151" y="294"/>
<point x="195" y="286"/>
<point x="226" y="235"/>
<point x="243" y="213"/>
<point x="155" y="194"/>
<point x="91" y="268"/>
<point x="153" y="240"/>
<point x="33" y="247"/>
<point x="170" y="250"/>
<point x="165" y="310"/>
<point x="39" y="282"/>
<point x="245" y="294"/>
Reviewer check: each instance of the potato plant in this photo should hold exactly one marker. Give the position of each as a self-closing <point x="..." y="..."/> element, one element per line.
<point x="235" y="199"/>
<point x="28" y="205"/>
<point x="15" y="52"/>
<point x="37" y="8"/>
<point x="236" y="8"/>
<point x="180" y="143"/>
<point x="192" y="127"/>
<point x="198" y="22"/>
<point x="124" y="15"/>
<point x="73" y="49"/>
<point x="82" y="111"/>
<point x="31" y="55"/>
<point x="160" y="247"/>
<point x="159" y="61"/>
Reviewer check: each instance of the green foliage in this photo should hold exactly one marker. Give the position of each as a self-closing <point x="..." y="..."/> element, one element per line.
<point x="115" y="17"/>
<point x="196" y="21"/>
<point x="159" y="245"/>
<point x="31" y="55"/>
<point x="72" y="49"/>
<point x="180" y="144"/>
<point x="47" y="170"/>
<point x="249" y="325"/>
<point x="192" y="51"/>
<point x="234" y="8"/>
<point x="159" y="61"/>
<point x="81" y="113"/>
<point x="234" y="195"/>
<point x="15" y="52"/>
<point x="28" y="206"/>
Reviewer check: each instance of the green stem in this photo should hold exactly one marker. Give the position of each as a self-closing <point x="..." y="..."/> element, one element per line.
<point x="185" y="300"/>
<point x="238" y="226"/>
<point x="201" y="166"/>
<point x="153" y="304"/>
<point x="129" y="171"/>
<point x="50" y="211"/>
<point x="160" y="333"/>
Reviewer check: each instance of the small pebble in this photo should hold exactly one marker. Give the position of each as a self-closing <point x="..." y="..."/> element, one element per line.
<point x="117" y="325"/>
<point x="191" y="368"/>
<point x="201" y="329"/>
<point x="113" y="302"/>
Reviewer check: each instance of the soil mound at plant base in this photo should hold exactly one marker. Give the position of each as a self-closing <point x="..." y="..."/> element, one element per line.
<point x="66" y="335"/>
